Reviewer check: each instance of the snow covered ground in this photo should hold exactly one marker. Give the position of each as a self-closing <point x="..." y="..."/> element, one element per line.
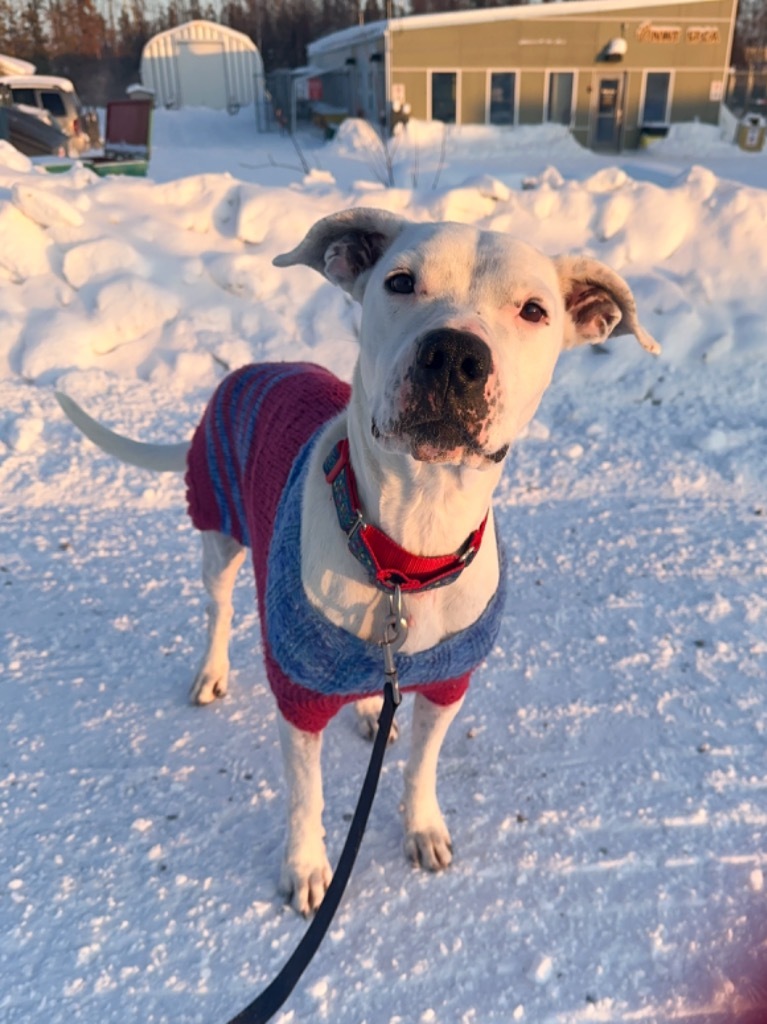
<point x="606" y="781"/>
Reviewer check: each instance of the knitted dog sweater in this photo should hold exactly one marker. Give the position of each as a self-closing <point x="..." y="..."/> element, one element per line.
<point x="247" y="467"/>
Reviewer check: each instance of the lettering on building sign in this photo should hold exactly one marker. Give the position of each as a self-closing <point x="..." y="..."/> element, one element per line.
<point x="649" y="33"/>
<point x="542" y="42"/>
<point x="703" y="34"/>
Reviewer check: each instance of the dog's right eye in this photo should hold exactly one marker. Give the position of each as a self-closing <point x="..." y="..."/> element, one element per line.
<point x="401" y="283"/>
<point x="533" y="312"/>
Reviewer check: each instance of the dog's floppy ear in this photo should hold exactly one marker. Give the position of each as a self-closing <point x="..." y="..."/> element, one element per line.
<point x="598" y="303"/>
<point x="344" y="246"/>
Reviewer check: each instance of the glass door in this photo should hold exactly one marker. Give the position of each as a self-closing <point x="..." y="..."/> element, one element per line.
<point x="608" y="114"/>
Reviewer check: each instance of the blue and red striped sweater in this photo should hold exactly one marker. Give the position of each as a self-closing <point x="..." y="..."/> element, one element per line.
<point x="247" y="467"/>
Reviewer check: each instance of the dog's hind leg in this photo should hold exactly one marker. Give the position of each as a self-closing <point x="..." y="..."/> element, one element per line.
<point x="306" y="871"/>
<point x="221" y="558"/>
<point x="427" y="840"/>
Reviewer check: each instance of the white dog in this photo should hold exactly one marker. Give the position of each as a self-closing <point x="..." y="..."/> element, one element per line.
<point x="459" y="335"/>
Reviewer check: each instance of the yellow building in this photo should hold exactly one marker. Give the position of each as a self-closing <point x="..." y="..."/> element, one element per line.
<point x="611" y="70"/>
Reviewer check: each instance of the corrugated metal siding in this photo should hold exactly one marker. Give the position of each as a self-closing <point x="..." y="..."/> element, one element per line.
<point x="243" y="68"/>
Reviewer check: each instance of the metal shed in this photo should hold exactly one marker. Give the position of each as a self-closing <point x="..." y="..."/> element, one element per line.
<point x="203" y="64"/>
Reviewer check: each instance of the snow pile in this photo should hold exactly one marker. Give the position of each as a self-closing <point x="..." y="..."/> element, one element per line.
<point x="691" y="139"/>
<point x="605" y="781"/>
<point x="11" y="158"/>
<point x="133" y="277"/>
<point x="462" y="142"/>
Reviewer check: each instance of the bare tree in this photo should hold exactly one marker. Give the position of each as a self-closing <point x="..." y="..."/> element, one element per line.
<point x="7" y="26"/>
<point x="75" y="29"/>
<point x="134" y="30"/>
<point x="750" y="47"/>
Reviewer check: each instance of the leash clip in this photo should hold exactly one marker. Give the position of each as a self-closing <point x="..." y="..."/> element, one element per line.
<point x="394" y="636"/>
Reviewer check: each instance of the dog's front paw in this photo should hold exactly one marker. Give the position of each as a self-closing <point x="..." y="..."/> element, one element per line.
<point x="304" y="883"/>
<point x="211" y="681"/>
<point x="430" y="847"/>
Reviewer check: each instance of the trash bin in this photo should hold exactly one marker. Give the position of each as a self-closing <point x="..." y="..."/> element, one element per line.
<point x="750" y="133"/>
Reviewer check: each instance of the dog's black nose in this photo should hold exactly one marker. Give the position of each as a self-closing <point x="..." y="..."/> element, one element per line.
<point x="452" y="360"/>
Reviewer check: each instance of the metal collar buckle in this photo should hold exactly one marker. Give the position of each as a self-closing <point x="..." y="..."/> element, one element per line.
<point x="359" y="522"/>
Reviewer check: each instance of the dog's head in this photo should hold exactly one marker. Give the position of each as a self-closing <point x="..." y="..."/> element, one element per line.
<point x="461" y="328"/>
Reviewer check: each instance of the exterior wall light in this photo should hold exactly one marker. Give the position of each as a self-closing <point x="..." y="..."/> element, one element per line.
<point x="615" y="50"/>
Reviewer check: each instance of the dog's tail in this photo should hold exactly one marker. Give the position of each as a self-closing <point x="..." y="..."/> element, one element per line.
<point x="162" y="458"/>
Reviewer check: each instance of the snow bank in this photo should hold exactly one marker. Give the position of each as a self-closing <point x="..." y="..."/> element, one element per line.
<point x="692" y="138"/>
<point x="148" y="262"/>
<point x="465" y="141"/>
<point x="11" y="158"/>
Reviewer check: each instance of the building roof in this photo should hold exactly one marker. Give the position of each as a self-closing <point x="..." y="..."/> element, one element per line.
<point x="199" y="29"/>
<point x="525" y="12"/>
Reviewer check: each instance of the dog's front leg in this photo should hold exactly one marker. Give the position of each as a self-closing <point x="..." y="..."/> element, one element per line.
<point x="368" y="712"/>
<point x="221" y="558"/>
<point x="306" y="872"/>
<point x="427" y="839"/>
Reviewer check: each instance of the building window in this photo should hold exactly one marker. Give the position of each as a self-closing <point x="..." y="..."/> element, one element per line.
<point x="657" y="96"/>
<point x="443" y="96"/>
<point x="561" y="95"/>
<point x="502" y="92"/>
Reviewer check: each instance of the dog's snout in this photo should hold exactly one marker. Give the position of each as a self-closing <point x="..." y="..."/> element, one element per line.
<point x="453" y="360"/>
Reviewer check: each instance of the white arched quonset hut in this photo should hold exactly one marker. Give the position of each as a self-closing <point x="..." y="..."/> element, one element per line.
<point x="202" y="64"/>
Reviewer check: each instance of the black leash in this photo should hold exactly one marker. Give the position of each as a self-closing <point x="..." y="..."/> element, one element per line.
<point x="274" y="995"/>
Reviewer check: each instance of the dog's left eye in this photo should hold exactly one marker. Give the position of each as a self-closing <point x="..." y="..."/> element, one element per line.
<point x="533" y="312"/>
<point x="401" y="283"/>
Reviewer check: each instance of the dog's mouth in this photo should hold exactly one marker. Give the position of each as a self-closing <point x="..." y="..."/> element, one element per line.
<point x="436" y="440"/>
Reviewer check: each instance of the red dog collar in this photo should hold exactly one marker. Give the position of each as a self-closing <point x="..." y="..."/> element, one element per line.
<point x="388" y="564"/>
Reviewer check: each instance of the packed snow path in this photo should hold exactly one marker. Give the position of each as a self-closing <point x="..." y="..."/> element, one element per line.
<point x="606" y="781"/>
